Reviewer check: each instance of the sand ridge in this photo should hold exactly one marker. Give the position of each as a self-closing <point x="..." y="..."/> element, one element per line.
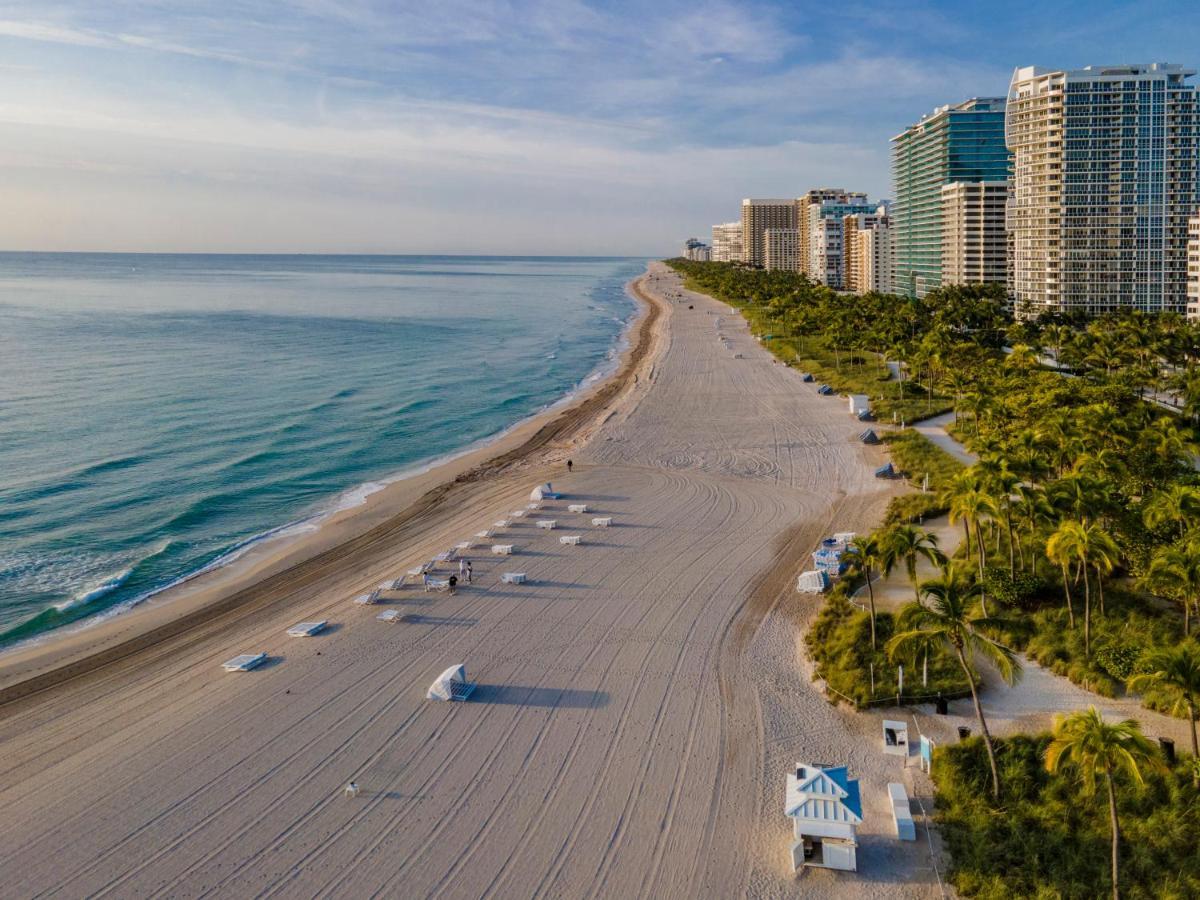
<point x="640" y="698"/>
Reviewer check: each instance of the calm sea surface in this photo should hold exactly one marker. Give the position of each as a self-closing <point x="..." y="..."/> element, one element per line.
<point x="160" y="413"/>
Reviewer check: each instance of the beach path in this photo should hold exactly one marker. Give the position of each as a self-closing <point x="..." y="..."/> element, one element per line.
<point x="640" y="698"/>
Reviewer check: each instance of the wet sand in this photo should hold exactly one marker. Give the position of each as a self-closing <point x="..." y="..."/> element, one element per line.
<point x="640" y="698"/>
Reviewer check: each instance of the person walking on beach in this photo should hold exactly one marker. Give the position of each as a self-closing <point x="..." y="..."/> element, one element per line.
<point x="462" y="566"/>
<point x="569" y="465"/>
<point x="352" y="789"/>
<point x="453" y="582"/>
<point x="468" y="573"/>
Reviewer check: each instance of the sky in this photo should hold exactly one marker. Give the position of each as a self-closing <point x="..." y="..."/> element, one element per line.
<point x="541" y="127"/>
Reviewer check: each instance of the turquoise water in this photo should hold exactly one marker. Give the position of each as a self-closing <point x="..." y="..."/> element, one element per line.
<point x="160" y="413"/>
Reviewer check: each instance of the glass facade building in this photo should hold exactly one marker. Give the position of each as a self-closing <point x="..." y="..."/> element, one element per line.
<point x="963" y="143"/>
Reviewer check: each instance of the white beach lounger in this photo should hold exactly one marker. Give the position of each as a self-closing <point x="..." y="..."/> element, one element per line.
<point x="602" y="521"/>
<point x="577" y="508"/>
<point x="533" y="505"/>
<point x="502" y="549"/>
<point x="572" y="539"/>
<point x="245" y="662"/>
<point x="451" y="685"/>
<point x="444" y="556"/>
<point x="513" y="578"/>
<point x="367" y="599"/>
<point x="517" y="514"/>
<point x="463" y="545"/>
<point x="307" y="629"/>
<point x="437" y="584"/>
<point x="484" y="535"/>
<point x="548" y="524"/>
<point x="420" y="570"/>
<point x="389" y="615"/>
<point x="501" y="523"/>
<point x="396" y="585"/>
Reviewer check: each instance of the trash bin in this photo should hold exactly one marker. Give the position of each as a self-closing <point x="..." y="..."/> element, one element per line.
<point x="963" y="732"/>
<point x="1168" y="749"/>
<point x="943" y="706"/>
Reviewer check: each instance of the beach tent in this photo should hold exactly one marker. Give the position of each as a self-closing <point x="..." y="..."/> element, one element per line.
<point x="887" y="471"/>
<point x="806" y="377"/>
<point x="543" y="492"/>
<point x="869" y="437"/>
<point x="451" y="685"/>
<point x="824" y="390"/>
<point x="864" y="416"/>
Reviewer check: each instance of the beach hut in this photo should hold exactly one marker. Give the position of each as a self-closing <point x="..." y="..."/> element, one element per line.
<point x="543" y="492"/>
<point x="887" y="471"/>
<point x="812" y="582"/>
<point x="895" y="738"/>
<point x="869" y="437"/>
<point x="451" y="685"/>
<point x="859" y="404"/>
<point x="825" y="807"/>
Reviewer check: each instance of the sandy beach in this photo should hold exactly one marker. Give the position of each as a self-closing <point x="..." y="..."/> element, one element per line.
<point x="640" y="698"/>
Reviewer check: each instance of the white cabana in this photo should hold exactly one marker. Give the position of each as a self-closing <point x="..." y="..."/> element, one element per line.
<point x="451" y="685"/>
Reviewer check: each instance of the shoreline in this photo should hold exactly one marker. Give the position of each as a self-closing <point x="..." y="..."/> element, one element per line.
<point x="278" y="539"/>
<point x="201" y="601"/>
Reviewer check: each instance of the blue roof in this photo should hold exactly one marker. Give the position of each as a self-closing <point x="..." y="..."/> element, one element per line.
<point x="841" y="776"/>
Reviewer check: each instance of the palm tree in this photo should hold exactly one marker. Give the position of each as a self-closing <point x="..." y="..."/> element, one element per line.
<point x="1175" y="670"/>
<point x="1089" y="545"/>
<point x="868" y="555"/>
<point x="906" y="543"/>
<point x="1175" y="571"/>
<point x="1177" y="503"/>
<point x="1091" y="746"/>
<point x="947" y="619"/>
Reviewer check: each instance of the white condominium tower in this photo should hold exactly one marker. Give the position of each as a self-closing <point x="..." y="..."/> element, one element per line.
<point x="727" y="242"/>
<point x="757" y="217"/>
<point x="1106" y="172"/>
<point x="974" y="245"/>
<point x="782" y="249"/>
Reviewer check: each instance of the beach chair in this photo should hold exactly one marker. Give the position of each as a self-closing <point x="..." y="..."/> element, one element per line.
<point x="548" y="524"/>
<point x="602" y="521"/>
<point x="367" y="599"/>
<point x="571" y="540"/>
<point x="502" y="549"/>
<point x="444" y="556"/>
<point x="461" y="546"/>
<point x="244" y="662"/>
<point x="577" y="508"/>
<point x="518" y="514"/>
<point x="389" y="615"/>
<point x="534" y="505"/>
<point x="307" y="629"/>
<point x="887" y="471"/>
<point x="500" y="524"/>
<point x="418" y="571"/>
<point x="484" y="535"/>
<point x="451" y="685"/>
<point x="513" y="578"/>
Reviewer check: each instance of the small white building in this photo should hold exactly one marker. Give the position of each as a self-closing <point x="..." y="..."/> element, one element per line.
<point x="859" y="403"/>
<point x="825" y="807"/>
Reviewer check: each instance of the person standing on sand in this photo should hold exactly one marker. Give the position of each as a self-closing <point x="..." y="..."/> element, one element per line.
<point x="569" y="465"/>
<point x="462" y="565"/>
<point x="468" y="571"/>
<point x="453" y="582"/>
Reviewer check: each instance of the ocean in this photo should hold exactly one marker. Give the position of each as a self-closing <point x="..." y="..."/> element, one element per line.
<point x="160" y="413"/>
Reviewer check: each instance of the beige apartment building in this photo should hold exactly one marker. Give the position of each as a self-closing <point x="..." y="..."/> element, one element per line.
<point x="757" y="217"/>
<point x="869" y="253"/>
<point x="1193" y="267"/>
<point x="806" y="219"/>
<point x="974" y="240"/>
<point x="1104" y="181"/>
<point x="782" y="249"/>
<point x="727" y="242"/>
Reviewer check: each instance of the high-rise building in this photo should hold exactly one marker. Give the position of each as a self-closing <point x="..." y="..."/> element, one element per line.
<point x="868" y="254"/>
<point x="974" y="240"/>
<point x="825" y="244"/>
<point x="1105" y="176"/>
<point x="1193" y="267"/>
<point x="696" y="250"/>
<point x="963" y="143"/>
<point x="727" y="242"/>
<point x="757" y="217"/>
<point x="782" y="249"/>
<point x="804" y="221"/>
